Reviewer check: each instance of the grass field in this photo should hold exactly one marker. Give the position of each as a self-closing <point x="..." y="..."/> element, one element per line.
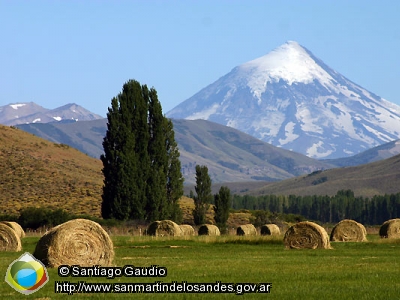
<point x="368" y="270"/>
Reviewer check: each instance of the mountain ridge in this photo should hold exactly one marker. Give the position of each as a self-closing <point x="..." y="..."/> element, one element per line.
<point x="229" y="154"/>
<point x="30" y="112"/>
<point x="87" y="136"/>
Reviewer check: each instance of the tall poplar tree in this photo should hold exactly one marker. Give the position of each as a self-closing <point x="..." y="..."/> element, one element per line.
<point x="120" y="190"/>
<point x="173" y="171"/>
<point x="137" y="158"/>
<point x="137" y="117"/>
<point x="203" y="196"/>
<point x="221" y="208"/>
<point x="157" y="208"/>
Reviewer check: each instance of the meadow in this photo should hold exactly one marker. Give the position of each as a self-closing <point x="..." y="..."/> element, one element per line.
<point x="367" y="270"/>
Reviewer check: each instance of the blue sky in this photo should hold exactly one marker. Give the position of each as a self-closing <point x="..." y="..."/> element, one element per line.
<point x="59" y="52"/>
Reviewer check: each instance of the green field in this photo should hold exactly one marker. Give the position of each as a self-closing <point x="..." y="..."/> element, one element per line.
<point x="368" y="270"/>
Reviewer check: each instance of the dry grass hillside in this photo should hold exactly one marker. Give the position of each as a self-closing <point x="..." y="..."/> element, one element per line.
<point x="377" y="178"/>
<point x="35" y="172"/>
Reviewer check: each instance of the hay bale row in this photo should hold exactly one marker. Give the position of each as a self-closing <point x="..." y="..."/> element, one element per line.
<point x="164" y="228"/>
<point x="348" y="231"/>
<point x="170" y="228"/>
<point x="85" y="243"/>
<point x="208" y="229"/>
<point x="17" y="228"/>
<point x="306" y="235"/>
<point x="390" y="229"/>
<point x="187" y="230"/>
<point x="270" y="229"/>
<point x="9" y="239"/>
<point x="76" y="242"/>
<point x="247" y="229"/>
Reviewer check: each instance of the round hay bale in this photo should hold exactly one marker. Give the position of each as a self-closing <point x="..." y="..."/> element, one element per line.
<point x="390" y="229"/>
<point x="187" y="229"/>
<point x="208" y="229"/>
<point x="348" y="231"/>
<point x="247" y="229"/>
<point x="306" y="235"/>
<point x="270" y="229"/>
<point x="164" y="228"/>
<point x="17" y="228"/>
<point x="76" y="242"/>
<point x="9" y="239"/>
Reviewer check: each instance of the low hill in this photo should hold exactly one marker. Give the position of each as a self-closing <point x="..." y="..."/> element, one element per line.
<point x="231" y="155"/>
<point x="374" y="154"/>
<point x="35" y="172"/>
<point x="377" y="178"/>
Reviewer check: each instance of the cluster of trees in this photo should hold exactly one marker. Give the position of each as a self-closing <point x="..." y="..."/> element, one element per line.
<point x="326" y="209"/>
<point x="141" y="166"/>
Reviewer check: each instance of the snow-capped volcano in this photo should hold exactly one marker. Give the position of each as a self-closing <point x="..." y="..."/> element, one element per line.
<point x="291" y="99"/>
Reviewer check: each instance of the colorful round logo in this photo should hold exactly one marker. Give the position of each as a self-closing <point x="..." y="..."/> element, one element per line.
<point x="26" y="274"/>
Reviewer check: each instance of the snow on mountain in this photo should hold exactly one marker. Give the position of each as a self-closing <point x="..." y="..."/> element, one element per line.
<point x="72" y="111"/>
<point x="291" y="99"/>
<point x="25" y="113"/>
<point x="13" y="113"/>
<point x="15" y="106"/>
<point x="290" y="63"/>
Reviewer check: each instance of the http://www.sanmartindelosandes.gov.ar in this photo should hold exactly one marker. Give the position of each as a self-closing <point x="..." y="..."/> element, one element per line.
<point x="26" y="274"/>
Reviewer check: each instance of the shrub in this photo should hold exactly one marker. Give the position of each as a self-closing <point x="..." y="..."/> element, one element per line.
<point x="35" y="217"/>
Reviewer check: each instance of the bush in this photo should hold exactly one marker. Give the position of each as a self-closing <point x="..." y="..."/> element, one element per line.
<point x="8" y="217"/>
<point x="320" y="180"/>
<point x="35" y="217"/>
<point x="293" y="218"/>
<point x="261" y="217"/>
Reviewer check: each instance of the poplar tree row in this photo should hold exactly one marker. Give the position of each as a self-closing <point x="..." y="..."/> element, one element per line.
<point x="327" y="209"/>
<point x="141" y="167"/>
<point x="203" y="198"/>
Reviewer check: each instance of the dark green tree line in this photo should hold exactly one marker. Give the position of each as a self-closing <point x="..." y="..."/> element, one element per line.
<point x="141" y="167"/>
<point x="327" y="209"/>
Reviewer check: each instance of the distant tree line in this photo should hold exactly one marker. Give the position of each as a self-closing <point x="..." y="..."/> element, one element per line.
<point x="327" y="209"/>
